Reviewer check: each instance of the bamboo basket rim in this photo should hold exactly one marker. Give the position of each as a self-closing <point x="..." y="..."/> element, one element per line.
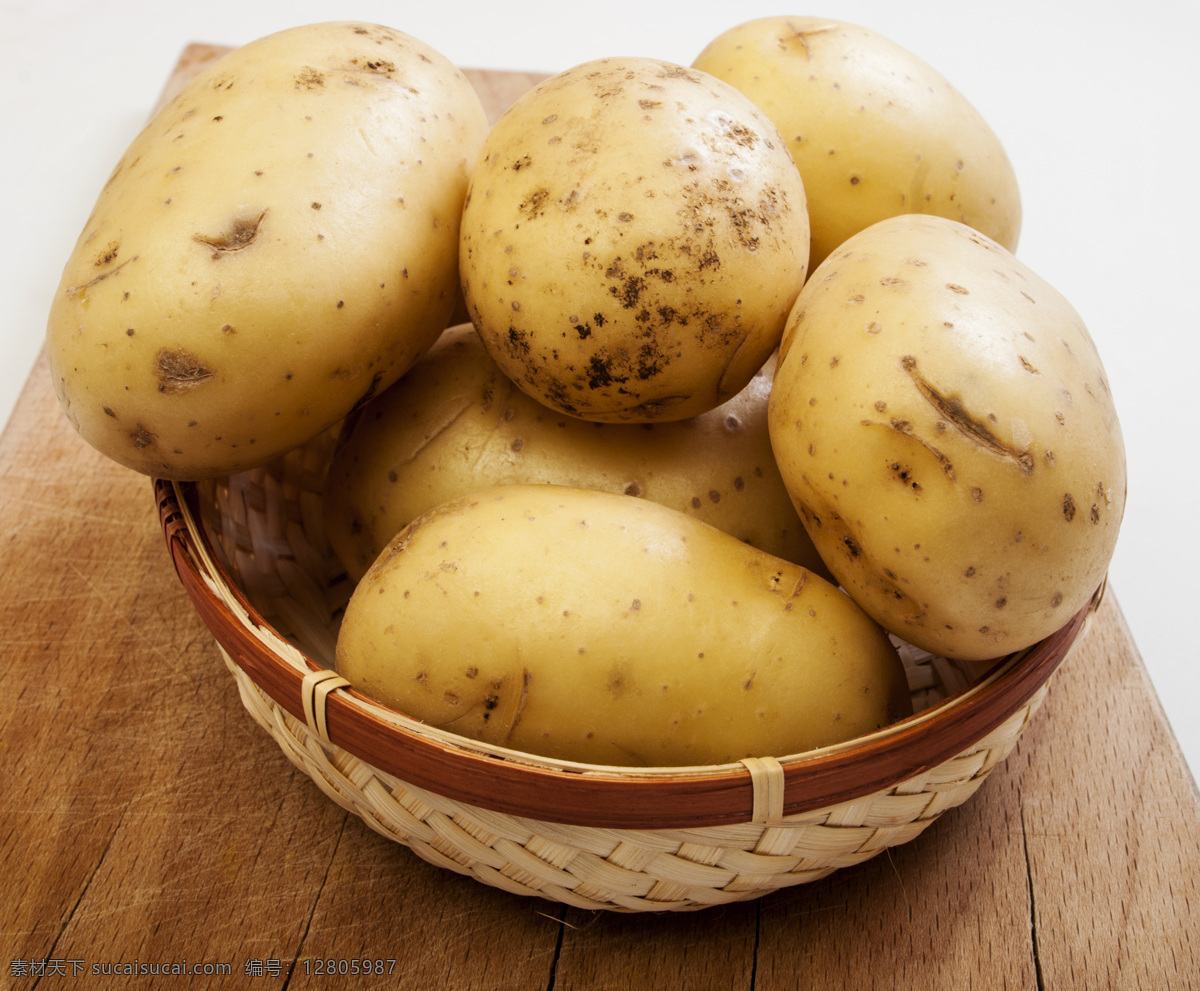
<point x="515" y="783"/>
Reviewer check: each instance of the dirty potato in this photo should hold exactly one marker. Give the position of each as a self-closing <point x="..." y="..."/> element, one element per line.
<point x="945" y="425"/>
<point x="875" y="131"/>
<point x="597" y="627"/>
<point x="633" y="239"/>
<point x="456" y="423"/>
<point x="278" y="244"/>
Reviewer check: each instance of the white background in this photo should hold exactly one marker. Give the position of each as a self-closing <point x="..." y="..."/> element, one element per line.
<point x="1095" y="102"/>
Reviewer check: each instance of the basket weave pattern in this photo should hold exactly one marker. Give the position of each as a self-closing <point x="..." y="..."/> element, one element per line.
<point x="632" y="870"/>
<point x="264" y="531"/>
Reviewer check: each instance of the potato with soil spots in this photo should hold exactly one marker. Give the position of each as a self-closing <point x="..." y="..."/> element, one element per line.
<point x="598" y="627"/>
<point x="633" y="239"/>
<point x="943" y="421"/>
<point x="456" y="423"/>
<point x="874" y="130"/>
<point x="278" y="244"/>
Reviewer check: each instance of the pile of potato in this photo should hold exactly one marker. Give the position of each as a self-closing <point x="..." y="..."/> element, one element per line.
<point x="753" y="377"/>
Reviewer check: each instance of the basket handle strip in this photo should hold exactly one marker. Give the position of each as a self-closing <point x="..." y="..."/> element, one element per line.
<point x="314" y="690"/>
<point x="766" y="782"/>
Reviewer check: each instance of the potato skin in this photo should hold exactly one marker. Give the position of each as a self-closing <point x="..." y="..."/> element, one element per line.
<point x="943" y="421"/>
<point x="278" y="244"/>
<point x="597" y="627"/>
<point x="874" y="130"/>
<point x="632" y="242"/>
<point x="455" y="423"/>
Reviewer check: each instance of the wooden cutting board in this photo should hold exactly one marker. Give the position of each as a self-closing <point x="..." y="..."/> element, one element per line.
<point x="145" y="820"/>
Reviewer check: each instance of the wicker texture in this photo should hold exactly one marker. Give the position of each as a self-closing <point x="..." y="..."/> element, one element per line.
<point x="632" y="870"/>
<point x="264" y="527"/>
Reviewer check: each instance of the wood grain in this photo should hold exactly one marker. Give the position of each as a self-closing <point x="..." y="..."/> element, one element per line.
<point x="144" y="818"/>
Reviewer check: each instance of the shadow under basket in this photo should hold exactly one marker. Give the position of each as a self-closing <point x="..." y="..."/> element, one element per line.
<point x="252" y="555"/>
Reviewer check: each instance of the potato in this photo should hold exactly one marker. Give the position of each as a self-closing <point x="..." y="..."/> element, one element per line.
<point x="602" y="628"/>
<point x="456" y="423"/>
<point x="875" y="131"/>
<point x="278" y="244"/>
<point x="943" y="421"/>
<point x="634" y="236"/>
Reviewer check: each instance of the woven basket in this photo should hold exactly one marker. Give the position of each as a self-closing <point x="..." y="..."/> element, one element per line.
<point x="251" y="552"/>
